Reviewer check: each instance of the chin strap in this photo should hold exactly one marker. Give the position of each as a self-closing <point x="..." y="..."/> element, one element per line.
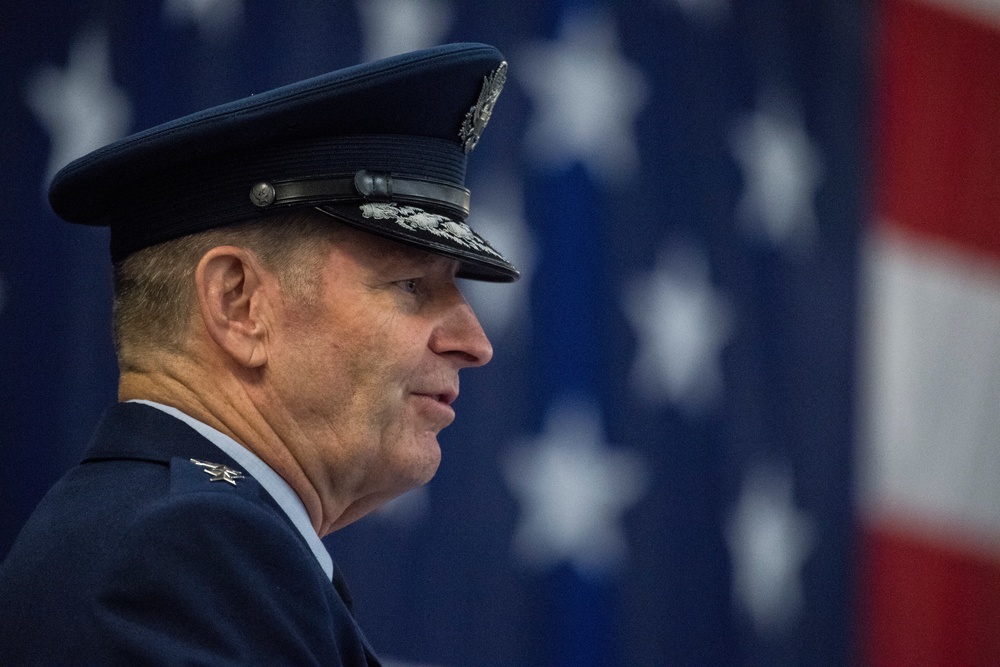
<point x="363" y="185"/>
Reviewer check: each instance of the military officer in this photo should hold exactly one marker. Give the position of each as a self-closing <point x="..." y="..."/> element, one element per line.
<point x="290" y="332"/>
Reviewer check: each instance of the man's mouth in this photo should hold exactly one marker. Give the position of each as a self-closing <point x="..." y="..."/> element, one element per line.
<point x="445" y="397"/>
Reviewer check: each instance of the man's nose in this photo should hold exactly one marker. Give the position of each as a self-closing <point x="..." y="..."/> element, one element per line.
<point x="461" y="336"/>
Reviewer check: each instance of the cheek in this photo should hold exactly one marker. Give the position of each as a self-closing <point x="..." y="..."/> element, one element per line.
<point x="370" y="383"/>
<point x="356" y="364"/>
<point x="385" y="355"/>
<point x="328" y="347"/>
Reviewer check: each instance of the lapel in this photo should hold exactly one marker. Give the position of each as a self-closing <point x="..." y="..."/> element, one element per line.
<point x="133" y="431"/>
<point x="143" y="433"/>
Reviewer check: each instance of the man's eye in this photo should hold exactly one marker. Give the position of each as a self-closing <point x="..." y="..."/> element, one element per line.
<point x="409" y="286"/>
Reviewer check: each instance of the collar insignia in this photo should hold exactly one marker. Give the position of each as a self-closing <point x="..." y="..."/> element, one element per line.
<point x="219" y="472"/>
<point x="477" y="117"/>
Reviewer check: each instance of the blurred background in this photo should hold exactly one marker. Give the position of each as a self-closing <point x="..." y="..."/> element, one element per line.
<point x="743" y="406"/>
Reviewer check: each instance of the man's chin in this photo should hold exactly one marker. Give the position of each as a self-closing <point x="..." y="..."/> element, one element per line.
<point x="411" y="465"/>
<point x="382" y="501"/>
<point x="425" y="461"/>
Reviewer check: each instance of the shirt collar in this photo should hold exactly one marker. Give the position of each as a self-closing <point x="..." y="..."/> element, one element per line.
<point x="272" y="482"/>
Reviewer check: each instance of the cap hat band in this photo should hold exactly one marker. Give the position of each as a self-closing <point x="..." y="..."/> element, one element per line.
<point x="365" y="185"/>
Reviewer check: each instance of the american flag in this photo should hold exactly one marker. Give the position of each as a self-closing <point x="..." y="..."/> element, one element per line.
<point x="759" y="247"/>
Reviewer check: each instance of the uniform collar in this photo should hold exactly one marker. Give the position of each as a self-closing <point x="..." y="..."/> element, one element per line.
<point x="149" y="431"/>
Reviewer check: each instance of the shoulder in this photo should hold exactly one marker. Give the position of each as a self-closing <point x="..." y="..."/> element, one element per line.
<point x="213" y="511"/>
<point x="209" y="571"/>
<point x="161" y="564"/>
<point x="140" y="555"/>
<point x="109" y="515"/>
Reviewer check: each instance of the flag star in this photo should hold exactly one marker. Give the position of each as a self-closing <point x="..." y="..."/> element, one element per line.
<point x="682" y="325"/>
<point x="573" y="489"/>
<point x="215" y="18"/>
<point x="80" y="107"/>
<point x="769" y="540"/>
<point x="503" y="307"/>
<point x="398" y="26"/>
<point x="586" y="99"/>
<point x="782" y="172"/>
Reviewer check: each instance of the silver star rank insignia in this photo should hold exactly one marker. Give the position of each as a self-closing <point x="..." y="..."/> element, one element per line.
<point x="219" y="472"/>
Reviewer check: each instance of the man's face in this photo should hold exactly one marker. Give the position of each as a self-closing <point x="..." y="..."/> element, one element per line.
<point x="366" y="375"/>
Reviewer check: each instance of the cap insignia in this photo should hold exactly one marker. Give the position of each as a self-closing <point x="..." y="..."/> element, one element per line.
<point x="417" y="219"/>
<point x="479" y="114"/>
<point x="219" y="472"/>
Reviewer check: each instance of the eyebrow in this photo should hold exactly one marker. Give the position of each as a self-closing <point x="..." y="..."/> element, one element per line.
<point x="406" y="257"/>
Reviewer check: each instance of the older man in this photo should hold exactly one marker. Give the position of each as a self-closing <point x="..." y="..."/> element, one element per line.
<point x="290" y="334"/>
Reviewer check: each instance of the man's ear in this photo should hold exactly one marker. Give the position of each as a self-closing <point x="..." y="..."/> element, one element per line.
<point x="229" y="284"/>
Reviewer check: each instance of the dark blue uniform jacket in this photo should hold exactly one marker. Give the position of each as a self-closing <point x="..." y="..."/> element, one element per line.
<point x="136" y="557"/>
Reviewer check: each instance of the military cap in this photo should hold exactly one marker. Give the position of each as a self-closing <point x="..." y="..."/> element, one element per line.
<point x="380" y="146"/>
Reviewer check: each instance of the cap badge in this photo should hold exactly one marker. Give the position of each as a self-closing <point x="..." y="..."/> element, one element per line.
<point x="417" y="219"/>
<point x="479" y="114"/>
<point x="219" y="472"/>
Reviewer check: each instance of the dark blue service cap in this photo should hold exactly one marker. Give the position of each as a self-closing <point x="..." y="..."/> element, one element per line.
<point x="380" y="146"/>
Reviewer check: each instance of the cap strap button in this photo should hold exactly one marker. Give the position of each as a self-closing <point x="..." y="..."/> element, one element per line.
<point x="373" y="184"/>
<point x="262" y="195"/>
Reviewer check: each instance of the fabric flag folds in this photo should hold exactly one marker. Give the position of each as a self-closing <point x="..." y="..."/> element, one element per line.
<point x="930" y="476"/>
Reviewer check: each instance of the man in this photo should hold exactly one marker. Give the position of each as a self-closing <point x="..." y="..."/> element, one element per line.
<point x="290" y="333"/>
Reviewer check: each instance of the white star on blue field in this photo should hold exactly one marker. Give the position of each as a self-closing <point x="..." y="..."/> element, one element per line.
<point x="782" y="171"/>
<point x="503" y="308"/>
<point x="80" y="106"/>
<point x="573" y="489"/>
<point x="586" y="99"/>
<point x="769" y="539"/>
<point x="391" y="27"/>
<point x="682" y="324"/>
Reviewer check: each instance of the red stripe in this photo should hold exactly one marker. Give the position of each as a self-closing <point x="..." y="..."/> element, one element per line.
<point x="926" y="601"/>
<point x="927" y="604"/>
<point x="938" y="124"/>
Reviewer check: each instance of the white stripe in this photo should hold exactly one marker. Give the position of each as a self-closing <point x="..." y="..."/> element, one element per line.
<point x="930" y="442"/>
<point x="983" y="10"/>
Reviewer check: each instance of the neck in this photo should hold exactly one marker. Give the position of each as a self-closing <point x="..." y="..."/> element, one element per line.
<point x="222" y="401"/>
